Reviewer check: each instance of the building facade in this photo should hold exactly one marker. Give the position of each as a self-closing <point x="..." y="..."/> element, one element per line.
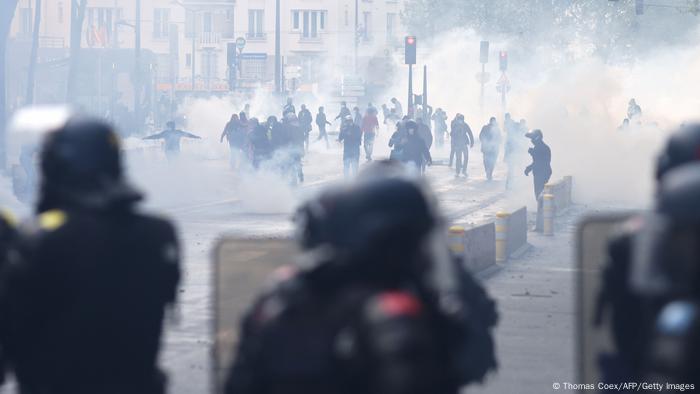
<point x="210" y="46"/>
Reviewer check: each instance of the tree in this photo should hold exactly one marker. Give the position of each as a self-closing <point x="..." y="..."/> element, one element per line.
<point x="77" y="12"/>
<point x="7" y="12"/>
<point x="29" y="100"/>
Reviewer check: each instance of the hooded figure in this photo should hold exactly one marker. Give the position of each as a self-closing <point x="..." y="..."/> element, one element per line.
<point x="541" y="161"/>
<point x="415" y="151"/>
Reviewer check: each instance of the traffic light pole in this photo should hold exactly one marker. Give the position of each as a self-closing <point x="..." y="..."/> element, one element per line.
<point x="410" y="91"/>
<point x="483" y="80"/>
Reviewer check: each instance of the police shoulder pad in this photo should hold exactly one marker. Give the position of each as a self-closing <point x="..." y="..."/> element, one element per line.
<point x="52" y="220"/>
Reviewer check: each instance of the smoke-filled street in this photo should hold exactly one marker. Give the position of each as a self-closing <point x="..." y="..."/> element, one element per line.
<point x="349" y="196"/>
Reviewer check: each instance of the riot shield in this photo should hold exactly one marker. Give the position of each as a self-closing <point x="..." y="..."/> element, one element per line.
<point x="240" y="268"/>
<point x="594" y="340"/>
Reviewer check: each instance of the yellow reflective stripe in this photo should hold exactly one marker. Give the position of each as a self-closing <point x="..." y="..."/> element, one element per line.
<point x="53" y="219"/>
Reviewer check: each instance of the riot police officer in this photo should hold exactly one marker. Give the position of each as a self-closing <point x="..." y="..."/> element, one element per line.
<point x="83" y="296"/>
<point x="632" y="309"/>
<point x="362" y="315"/>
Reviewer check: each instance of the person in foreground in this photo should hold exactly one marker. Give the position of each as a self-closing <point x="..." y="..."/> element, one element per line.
<point x="378" y="306"/>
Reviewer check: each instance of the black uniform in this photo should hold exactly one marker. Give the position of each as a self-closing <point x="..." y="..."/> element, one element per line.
<point x="83" y="300"/>
<point x="636" y="312"/>
<point x="358" y="320"/>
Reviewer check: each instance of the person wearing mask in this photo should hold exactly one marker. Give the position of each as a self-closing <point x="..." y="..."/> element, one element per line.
<point x="541" y="161"/>
<point x="490" y="140"/>
<point x="322" y="122"/>
<point x="370" y="124"/>
<point x="397" y="142"/>
<point x="296" y="147"/>
<point x="351" y="137"/>
<point x="82" y="305"/>
<point x="305" y="121"/>
<point x="171" y="137"/>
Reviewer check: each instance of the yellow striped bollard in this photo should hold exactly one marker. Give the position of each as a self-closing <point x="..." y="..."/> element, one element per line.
<point x="548" y="214"/>
<point x="456" y="240"/>
<point x="502" y="236"/>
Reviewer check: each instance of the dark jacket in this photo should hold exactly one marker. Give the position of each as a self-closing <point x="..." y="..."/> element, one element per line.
<point x="351" y="137"/>
<point x="461" y="135"/>
<point x="415" y="150"/>
<point x="305" y="120"/>
<point x="541" y="158"/>
<point x="82" y="308"/>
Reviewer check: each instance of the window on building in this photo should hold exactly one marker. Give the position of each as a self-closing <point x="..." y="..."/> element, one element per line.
<point x="209" y="64"/>
<point x="390" y="26"/>
<point x="100" y="24"/>
<point x="347" y="17"/>
<point x="367" y="25"/>
<point x="25" y="22"/>
<point x="161" y="22"/>
<point x="228" y="31"/>
<point x="255" y="23"/>
<point x="59" y="13"/>
<point x="188" y="60"/>
<point x="309" y="22"/>
<point x="207" y="22"/>
<point x="189" y="23"/>
<point x="295" y="20"/>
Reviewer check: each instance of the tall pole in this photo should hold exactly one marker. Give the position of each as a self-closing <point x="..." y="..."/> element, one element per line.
<point x="425" y="94"/>
<point x="194" y="39"/>
<point x="357" y="37"/>
<point x="410" y="91"/>
<point x="137" y="68"/>
<point x="483" y="80"/>
<point x="278" y="50"/>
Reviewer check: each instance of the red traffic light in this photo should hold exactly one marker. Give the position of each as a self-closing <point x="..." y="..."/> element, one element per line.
<point x="410" y="40"/>
<point x="503" y="60"/>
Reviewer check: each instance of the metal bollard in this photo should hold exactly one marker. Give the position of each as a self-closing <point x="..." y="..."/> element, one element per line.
<point x="502" y="236"/>
<point x="548" y="214"/>
<point x="456" y="240"/>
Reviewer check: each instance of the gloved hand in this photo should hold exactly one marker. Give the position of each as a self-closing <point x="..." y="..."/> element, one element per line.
<point x="528" y="170"/>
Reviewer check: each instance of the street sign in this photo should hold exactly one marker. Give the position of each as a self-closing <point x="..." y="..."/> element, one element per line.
<point x="240" y="43"/>
<point x="503" y="83"/>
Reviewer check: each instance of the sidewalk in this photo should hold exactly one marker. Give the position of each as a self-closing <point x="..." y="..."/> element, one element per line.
<point x="535" y="336"/>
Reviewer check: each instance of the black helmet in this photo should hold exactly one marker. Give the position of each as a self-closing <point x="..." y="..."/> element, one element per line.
<point x="535" y="135"/>
<point x="81" y="165"/>
<point x="374" y="227"/>
<point x="682" y="147"/>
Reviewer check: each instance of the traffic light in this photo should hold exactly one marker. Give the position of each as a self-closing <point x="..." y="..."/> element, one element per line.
<point x="503" y="60"/>
<point x="639" y="7"/>
<point x="484" y="52"/>
<point x="410" y="54"/>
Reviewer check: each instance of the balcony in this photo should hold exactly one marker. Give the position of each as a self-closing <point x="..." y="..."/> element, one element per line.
<point x="209" y="39"/>
<point x="308" y="39"/>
